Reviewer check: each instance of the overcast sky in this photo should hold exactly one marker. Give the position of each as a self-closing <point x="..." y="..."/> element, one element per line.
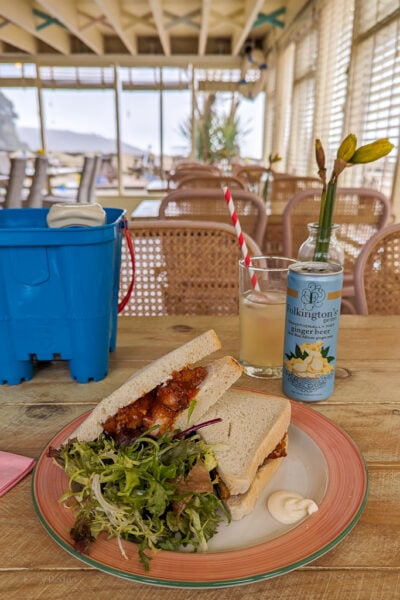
<point x="93" y="112"/>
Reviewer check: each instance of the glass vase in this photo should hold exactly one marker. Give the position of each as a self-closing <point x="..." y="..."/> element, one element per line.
<point x="307" y="248"/>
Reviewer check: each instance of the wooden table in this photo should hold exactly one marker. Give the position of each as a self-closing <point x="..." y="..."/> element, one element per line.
<point x="146" y="209"/>
<point x="366" y="404"/>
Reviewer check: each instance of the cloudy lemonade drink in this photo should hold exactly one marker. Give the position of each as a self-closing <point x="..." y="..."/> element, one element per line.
<point x="262" y="303"/>
<point x="262" y="323"/>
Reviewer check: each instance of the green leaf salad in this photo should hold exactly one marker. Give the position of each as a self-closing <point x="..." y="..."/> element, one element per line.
<point x="155" y="492"/>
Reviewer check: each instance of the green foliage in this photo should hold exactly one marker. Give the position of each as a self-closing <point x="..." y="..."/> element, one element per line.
<point x="297" y="354"/>
<point x="217" y="136"/>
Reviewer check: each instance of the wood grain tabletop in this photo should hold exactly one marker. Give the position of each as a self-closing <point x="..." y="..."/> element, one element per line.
<point x="365" y="404"/>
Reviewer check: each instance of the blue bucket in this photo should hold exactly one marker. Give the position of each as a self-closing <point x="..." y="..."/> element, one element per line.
<point x="58" y="294"/>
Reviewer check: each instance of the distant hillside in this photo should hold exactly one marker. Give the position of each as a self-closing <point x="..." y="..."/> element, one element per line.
<point x="74" y="143"/>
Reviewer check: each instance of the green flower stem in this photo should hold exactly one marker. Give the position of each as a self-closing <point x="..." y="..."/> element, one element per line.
<point x="325" y="222"/>
<point x="265" y="187"/>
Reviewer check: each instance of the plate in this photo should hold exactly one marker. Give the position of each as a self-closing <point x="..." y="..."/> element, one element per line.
<point x="323" y="464"/>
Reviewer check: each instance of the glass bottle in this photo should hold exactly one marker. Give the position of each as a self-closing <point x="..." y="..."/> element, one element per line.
<point x="307" y="248"/>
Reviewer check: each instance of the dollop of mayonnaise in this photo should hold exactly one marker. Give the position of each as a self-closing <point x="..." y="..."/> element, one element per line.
<point x="290" y="507"/>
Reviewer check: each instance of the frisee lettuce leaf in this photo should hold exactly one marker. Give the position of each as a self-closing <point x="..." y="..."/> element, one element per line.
<point x="132" y="493"/>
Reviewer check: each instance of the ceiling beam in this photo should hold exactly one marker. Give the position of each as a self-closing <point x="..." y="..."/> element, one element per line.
<point x="186" y="19"/>
<point x="234" y="18"/>
<point x="130" y="21"/>
<point x="21" y="14"/>
<point x="112" y="10"/>
<point x="205" y="17"/>
<point x="126" y="60"/>
<point x="19" y="38"/>
<point x="251" y="13"/>
<point x="156" y="9"/>
<point x="67" y="13"/>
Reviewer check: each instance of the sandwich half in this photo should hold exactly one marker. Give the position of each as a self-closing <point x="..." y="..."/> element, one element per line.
<point x="249" y="444"/>
<point x="167" y="394"/>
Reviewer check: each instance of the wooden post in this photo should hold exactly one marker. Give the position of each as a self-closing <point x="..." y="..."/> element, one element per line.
<point x="117" y="89"/>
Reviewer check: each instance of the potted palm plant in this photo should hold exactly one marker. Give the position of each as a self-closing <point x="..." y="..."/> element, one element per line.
<point x="217" y="136"/>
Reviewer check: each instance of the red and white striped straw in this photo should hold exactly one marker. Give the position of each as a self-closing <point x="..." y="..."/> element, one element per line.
<point x="240" y="236"/>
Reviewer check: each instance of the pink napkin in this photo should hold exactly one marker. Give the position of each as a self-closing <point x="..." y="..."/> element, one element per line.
<point x="13" y="467"/>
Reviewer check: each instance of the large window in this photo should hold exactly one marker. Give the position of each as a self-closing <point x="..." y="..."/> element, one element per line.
<point x="338" y="72"/>
<point x="151" y="120"/>
<point x="300" y="141"/>
<point x="176" y="112"/>
<point x="79" y="121"/>
<point x="251" y="118"/>
<point x="140" y="135"/>
<point x="334" y="51"/>
<point x="374" y="100"/>
<point x="25" y="134"/>
<point x="283" y="104"/>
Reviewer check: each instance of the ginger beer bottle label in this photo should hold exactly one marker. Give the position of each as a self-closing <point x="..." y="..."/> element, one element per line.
<point x="311" y="327"/>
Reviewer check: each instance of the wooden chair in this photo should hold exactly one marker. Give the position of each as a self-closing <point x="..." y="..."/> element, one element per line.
<point x="14" y="191"/>
<point x="283" y="187"/>
<point x="175" y="177"/>
<point x="37" y="191"/>
<point x="253" y="176"/>
<point x="197" y="165"/>
<point x="279" y="175"/>
<point x="377" y="274"/>
<point x="183" y="268"/>
<point x="209" y="205"/>
<point x="211" y="181"/>
<point x="360" y="213"/>
<point x="91" y="190"/>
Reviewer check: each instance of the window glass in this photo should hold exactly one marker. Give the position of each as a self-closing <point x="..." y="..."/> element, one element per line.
<point x="21" y="128"/>
<point x="373" y="105"/>
<point x="300" y="142"/>
<point x="176" y="116"/>
<point x="334" y="52"/>
<point x="80" y="122"/>
<point x="17" y="70"/>
<point x="251" y="118"/>
<point x="140" y="134"/>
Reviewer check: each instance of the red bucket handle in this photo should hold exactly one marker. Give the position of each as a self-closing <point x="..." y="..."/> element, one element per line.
<point x="129" y="243"/>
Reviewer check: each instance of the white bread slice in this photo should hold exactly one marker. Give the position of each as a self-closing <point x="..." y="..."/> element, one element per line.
<point x="157" y="372"/>
<point x="252" y="426"/>
<point x="242" y="504"/>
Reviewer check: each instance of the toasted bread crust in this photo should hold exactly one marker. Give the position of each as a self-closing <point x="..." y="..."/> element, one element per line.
<point x="227" y="370"/>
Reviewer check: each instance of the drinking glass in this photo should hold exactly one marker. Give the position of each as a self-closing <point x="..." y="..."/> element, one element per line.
<point x="262" y="307"/>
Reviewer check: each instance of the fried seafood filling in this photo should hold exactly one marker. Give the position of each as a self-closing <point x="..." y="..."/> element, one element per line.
<point x="159" y="407"/>
<point x="280" y="450"/>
